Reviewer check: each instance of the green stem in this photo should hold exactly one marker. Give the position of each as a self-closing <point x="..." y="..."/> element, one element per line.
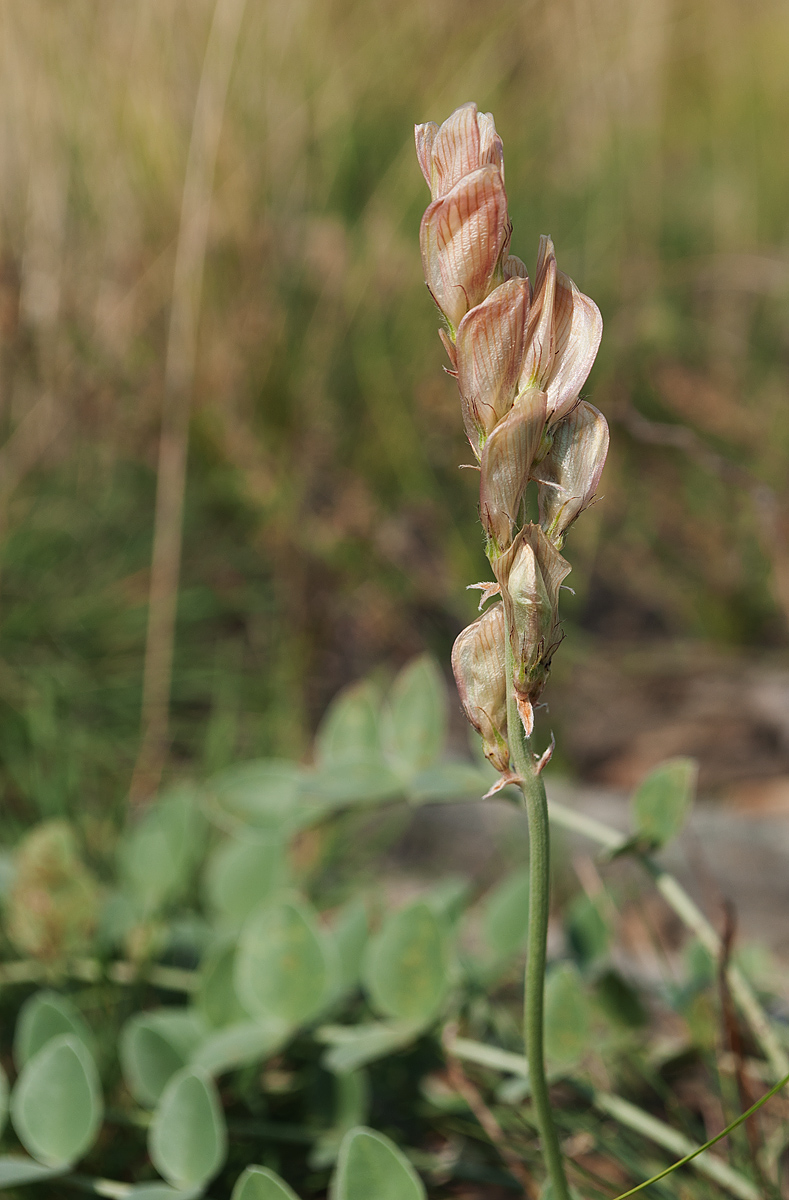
<point x="536" y="805"/>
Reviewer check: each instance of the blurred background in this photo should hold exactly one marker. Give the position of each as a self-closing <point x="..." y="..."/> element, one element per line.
<point x="328" y="532"/>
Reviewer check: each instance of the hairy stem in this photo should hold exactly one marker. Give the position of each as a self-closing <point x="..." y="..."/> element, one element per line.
<point x="536" y="805"/>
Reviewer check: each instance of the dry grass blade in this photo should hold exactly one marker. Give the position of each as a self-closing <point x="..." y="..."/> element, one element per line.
<point x="179" y="376"/>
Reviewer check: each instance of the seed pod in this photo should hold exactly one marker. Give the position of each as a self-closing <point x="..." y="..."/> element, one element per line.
<point x="489" y="349"/>
<point x="478" y="661"/>
<point x="506" y="461"/>
<point x="466" y="141"/>
<point x="462" y="237"/>
<point x="570" y="472"/>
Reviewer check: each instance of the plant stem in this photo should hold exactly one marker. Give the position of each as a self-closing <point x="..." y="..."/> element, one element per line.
<point x="536" y="804"/>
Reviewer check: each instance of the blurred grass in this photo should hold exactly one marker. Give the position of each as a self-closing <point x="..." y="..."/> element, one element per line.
<point x="327" y="526"/>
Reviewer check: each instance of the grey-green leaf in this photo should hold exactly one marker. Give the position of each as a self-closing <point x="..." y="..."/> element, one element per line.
<point x="187" y="1140"/>
<point x="258" y="1183"/>
<point x="353" y="1046"/>
<point x="15" y="1171"/>
<point x="416" y="715"/>
<point x="282" y="968"/>
<point x="567" y="1013"/>
<point x="350" y="932"/>
<point x="56" y="1104"/>
<point x="43" y="1016"/>
<point x="406" y="965"/>
<point x="586" y="930"/>
<point x="662" y="803"/>
<point x="264" y="794"/>
<point x="506" y="915"/>
<point x="447" y="781"/>
<point x="163" y="1191"/>
<point x="371" y="1167"/>
<point x="240" y="1045"/>
<point x="153" y="1046"/>
<point x="244" y="874"/>
<point x="158" y="856"/>
<point x="216" y="998"/>
<point x="362" y="781"/>
<point x="349" y="730"/>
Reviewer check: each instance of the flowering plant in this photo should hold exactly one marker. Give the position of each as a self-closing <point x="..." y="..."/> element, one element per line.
<point x="521" y="354"/>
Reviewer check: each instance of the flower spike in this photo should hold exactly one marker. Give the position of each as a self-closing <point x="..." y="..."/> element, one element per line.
<point x="520" y="356"/>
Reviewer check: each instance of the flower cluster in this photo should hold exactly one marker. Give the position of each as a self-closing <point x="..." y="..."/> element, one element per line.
<point x="520" y="354"/>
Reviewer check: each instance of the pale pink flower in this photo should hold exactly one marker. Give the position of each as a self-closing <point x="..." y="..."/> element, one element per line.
<point x="570" y="472"/>
<point x="462" y="237"/>
<point x="564" y="334"/>
<point x="489" y="351"/>
<point x="507" y="457"/>
<point x="466" y="141"/>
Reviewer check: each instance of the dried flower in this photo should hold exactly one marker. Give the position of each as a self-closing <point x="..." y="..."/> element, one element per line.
<point x="54" y="900"/>
<point x="478" y="661"/>
<point x="530" y="575"/>
<point x="507" y="458"/>
<point x="570" y="472"/>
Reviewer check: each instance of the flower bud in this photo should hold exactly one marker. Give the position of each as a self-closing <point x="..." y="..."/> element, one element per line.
<point x="478" y="661"/>
<point x="570" y="472"/>
<point x="506" y="461"/>
<point x="466" y="141"/>
<point x="489" y="349"/>
<point x="462" y="237"/>
<point x="530" y="574"/>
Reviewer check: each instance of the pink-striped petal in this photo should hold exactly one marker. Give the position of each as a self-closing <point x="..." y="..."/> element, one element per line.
<point x="478" y="663"/>
<point x="424" y="136"/>
<point x="455" y="150"/>
<point x="462" y="236"/>
<point x="506" y="460"/>
<point x="490" y="341"/>
<point x="539" y="357"/>
<point x="570" y="472"/>
<point x="514" y="268"/>
<point x="491" y="148"/>
<point x="578" y="328"/>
